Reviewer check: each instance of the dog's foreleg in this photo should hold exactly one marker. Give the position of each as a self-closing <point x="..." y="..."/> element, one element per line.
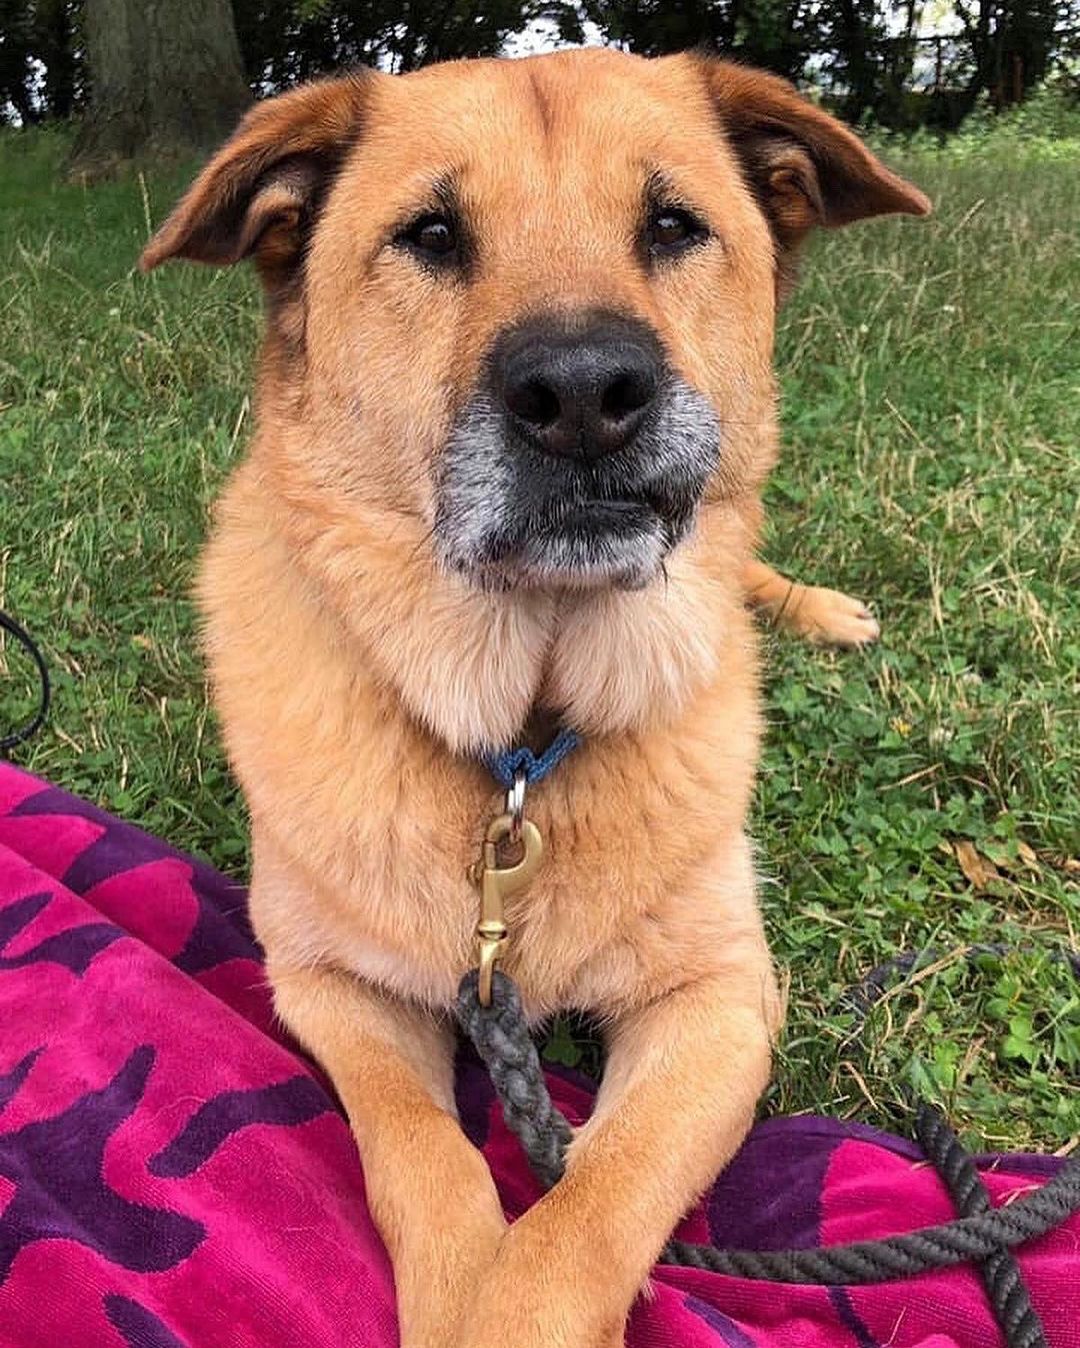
<point x="429" y="1189"/>
<point x="826" y="617"/>
<point x="683" y="1077"/>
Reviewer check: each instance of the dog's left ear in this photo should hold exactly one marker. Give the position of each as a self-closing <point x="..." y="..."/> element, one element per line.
<point x="804" y="167"/>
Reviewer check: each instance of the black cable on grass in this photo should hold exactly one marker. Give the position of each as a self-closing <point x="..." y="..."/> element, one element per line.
<point x="863" y="996"/>
<point x="26" y="641"/>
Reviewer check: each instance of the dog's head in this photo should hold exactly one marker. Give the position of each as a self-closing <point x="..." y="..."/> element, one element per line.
<point x="529" y="305"/>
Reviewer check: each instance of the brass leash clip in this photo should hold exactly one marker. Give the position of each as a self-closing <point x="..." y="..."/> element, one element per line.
<point x="497" y="883"/>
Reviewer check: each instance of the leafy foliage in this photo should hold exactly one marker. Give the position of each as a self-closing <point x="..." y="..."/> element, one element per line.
<point x="285" y="41"/>
<point x="867" y="54"/>
<point x="777" y="34"/>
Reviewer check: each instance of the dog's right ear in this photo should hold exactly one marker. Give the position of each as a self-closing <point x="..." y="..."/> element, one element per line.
<point x="263" y="189"/>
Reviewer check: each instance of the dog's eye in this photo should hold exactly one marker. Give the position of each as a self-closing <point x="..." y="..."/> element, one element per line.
<point x="671" y="229"/>
<point x="432" y="235"/>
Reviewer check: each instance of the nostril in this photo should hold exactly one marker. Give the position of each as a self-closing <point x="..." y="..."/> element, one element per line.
<point x="576" y="390"/>
<point x="625" y="396"/>
<point x="534" y="402"/>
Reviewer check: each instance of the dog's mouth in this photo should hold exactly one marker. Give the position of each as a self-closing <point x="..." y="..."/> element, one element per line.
<point x="587" y="543"/>
<point x="508" y="517"/>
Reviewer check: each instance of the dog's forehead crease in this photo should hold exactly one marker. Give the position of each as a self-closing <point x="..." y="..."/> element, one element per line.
<point x="589" y="132"/>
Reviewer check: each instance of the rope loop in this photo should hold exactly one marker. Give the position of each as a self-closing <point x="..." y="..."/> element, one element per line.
<point x="982" y="1233"/>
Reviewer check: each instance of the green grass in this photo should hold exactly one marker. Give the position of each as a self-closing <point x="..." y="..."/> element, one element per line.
<point x="930" y="465"/>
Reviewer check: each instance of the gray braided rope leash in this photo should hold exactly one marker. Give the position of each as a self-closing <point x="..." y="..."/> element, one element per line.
<point x="1000" y="1271"/>
<point x="934" y="1247"/>
<point x="500" y="1035"/>
<point x="983" y="1234"/>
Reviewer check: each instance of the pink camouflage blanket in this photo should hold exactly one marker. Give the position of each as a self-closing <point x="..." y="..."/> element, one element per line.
<point x="174" y="1174"/>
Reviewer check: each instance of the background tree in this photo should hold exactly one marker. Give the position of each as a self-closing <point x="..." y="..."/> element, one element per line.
<point x="16" y="61"/>
<point x="169" y="74"/>
<point x="854" y="40"/>
<point x="1011" y="42"/>
<point x="56" y="49"/>
<point x="165" y="78"/>
<point x="284" y="41"/>
<point x="777" y="34"/>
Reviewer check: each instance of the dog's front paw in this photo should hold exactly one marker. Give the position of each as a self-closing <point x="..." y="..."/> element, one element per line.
<point x="536" y="1295"/>
<point x="494" y="1329"/>
<point x="830" y="618"/>
<point x="438" y="1279"/>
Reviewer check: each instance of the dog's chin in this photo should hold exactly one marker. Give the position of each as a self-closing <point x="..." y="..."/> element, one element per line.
<point x="618" y="545"/>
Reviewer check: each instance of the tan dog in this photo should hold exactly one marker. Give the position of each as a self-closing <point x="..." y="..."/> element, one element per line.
<point x="515" y="410"/>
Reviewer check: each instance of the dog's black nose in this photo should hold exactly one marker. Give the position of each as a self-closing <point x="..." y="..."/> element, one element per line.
<point x="578" y="392"/>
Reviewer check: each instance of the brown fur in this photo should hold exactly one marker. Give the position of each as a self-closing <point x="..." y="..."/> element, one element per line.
<point x="355" y="680"/>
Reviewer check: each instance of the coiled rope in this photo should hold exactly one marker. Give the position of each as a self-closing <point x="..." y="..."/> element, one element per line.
<point x="982" y="1233"/>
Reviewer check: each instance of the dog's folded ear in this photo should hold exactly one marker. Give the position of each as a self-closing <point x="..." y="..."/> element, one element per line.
<point x="804" y="167"/>
<point x="261" y="191"/>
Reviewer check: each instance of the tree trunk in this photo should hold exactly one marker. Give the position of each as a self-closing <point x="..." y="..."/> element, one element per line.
<point x="55" y="40"/>
<point x="166" y="79"/>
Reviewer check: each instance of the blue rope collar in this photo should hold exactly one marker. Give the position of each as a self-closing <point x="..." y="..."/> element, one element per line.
<point x="505" y="765"/>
